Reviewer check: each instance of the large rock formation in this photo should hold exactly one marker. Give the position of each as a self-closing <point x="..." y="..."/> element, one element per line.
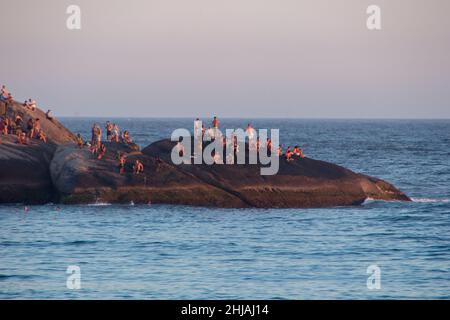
<point x="304" y="183"/>
<point x="60" y="171"/>
<point x="300" y="183"/>
<point x="24" y="169"/>
<point x="81" y="178"/>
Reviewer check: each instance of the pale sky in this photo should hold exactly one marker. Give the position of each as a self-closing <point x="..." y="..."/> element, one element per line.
<point x="231" y="58"/>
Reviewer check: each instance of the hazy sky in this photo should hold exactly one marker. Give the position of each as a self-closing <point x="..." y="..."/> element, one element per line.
<point x="239" y="58"/>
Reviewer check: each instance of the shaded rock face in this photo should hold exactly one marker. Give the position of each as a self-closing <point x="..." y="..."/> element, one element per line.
<point x="81" y="178"/>
<point x="299" y="183"/>
<point x="24" y="171"/>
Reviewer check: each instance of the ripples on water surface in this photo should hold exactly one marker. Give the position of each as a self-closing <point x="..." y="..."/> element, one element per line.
<point x="186" y="253"/>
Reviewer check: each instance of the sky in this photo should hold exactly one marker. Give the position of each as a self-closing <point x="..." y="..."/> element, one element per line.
<point x="230" y="58"/>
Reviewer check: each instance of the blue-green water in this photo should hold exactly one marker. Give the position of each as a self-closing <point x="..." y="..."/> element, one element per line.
<point x="179" y="252"/>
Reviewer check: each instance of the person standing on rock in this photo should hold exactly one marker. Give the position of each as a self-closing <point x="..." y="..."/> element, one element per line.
<point x="4" y="92"/>
<point x="109" y="128"/>
<point x="99" y="136"/>
<point x="116" y="134"/>
<point x="36" y="127"/>
<point x="197" y="127"/>
<point x="80" y="141"/>
<point x="30" y="128"/>
<point x="93" y="138"/>
<point x="122" y="162"/>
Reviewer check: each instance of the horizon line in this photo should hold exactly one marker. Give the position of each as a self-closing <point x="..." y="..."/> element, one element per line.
<point x="253" y="117"/>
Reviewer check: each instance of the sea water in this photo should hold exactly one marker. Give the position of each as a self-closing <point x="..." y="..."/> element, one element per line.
<point x="182" y="252"/>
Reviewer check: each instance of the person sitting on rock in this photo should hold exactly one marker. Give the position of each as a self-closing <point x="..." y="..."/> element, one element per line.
<point x="18" y="134"/>
<point x="9" y="99"/>
<point x="31" y="104"/>
<point x="301" y="155"/>
<point x="80" y="141"/>
<point x="289" y="153"/>
<point x="298" y="152"/>
<point x="41" y="136"/>
<point x="4" y="92"/>
<point x="138" y="167"/>
<point x="4" y="123"/>
<point x="280" y="150"/>
<point x="21" y="137"/>
<point x="101" y="151"/>
<point x="126" y="137"/>
<point x="5" y="95"/>
<point x="180" y="149"/>
<point x="122" y="162"/>
<point x="94" y="149"/>
<point x="18" y="121"/>
<point x="48" y="116"/>
<point x="27" y="104"/>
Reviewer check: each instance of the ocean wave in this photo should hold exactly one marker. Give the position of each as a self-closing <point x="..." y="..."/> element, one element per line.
<point x="430" y="200"/>
<point x="418" y="200"/>
<point x="99" y="204"/>
<point x="368" y="200"/>
<point x="372" y="200"/>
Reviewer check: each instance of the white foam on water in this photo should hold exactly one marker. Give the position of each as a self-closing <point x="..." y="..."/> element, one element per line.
<point x="429" y="200"/>
<point x="368" y="200"/>
<point x="99" y="204"/>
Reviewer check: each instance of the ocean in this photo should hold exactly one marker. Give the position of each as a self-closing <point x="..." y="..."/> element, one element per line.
<point x="180" y="252"/>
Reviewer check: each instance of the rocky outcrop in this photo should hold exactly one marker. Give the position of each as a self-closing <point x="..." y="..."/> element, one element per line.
<point x="81" y="178"/>
<point x="56" y="133"/>
<point x="299" y="183"/>
<point x="302" y="183"/>
<point x="60" y="171"/>
<point x="24" y="169"/>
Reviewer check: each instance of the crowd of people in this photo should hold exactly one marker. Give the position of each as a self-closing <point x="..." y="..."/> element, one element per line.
<point x="213" y="133"/>
<point x="113" y="134"/>
<point x="15" y="124"/>
<point x="30" y="128"/>
<point x="24" y="127"/>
